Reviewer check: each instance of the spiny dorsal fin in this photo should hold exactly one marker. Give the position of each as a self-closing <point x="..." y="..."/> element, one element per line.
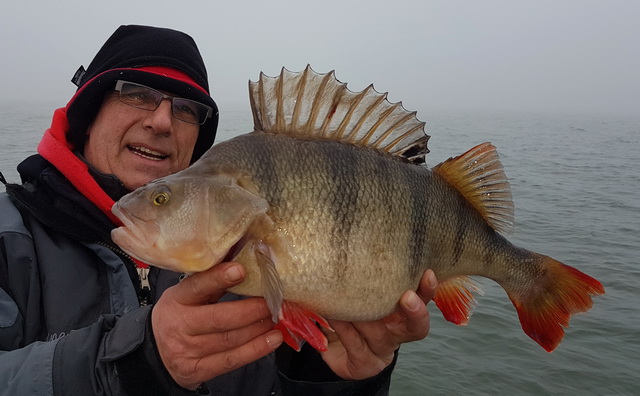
<point x="478" y="175"/>
<point x="309" y="104"/>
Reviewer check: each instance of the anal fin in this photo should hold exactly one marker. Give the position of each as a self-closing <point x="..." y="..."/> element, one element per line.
<point x="455" y="300"/>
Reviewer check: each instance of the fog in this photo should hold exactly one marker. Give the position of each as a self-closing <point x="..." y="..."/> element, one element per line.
<point x="575" y="56"/>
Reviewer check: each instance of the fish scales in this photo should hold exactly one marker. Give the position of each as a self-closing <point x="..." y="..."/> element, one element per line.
<point x="397" y="235"/>
<point x="353" y="191"/>
<point x="331" y="209"/>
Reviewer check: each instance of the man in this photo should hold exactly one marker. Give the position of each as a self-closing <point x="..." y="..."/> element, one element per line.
<point x="75" y="318"/>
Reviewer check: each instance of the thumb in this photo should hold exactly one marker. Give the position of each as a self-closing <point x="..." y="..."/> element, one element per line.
<point x="209" y="285"/>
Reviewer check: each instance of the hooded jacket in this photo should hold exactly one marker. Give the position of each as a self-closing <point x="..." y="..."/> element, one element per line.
<point x="74" y="318"/>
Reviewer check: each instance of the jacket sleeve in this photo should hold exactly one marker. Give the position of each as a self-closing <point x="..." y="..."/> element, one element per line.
<point x="25" y="363"/>
<point x="111" y="357"/>
<point x="115" y="356"/>
<point x="125" y="361"/>
<point x="27" y="371"/>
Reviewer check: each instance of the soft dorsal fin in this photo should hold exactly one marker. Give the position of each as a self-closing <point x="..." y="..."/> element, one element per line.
<point x="309" y="104"/>
<point x="478" y="175"/>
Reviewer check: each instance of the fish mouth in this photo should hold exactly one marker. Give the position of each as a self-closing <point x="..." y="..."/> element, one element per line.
<point x="133" y="234"/>
<point x="147" y="153"/>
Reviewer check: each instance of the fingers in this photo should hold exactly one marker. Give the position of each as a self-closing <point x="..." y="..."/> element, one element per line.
<point x="411" y="321"/>
<point x="347" y="335"/>
<point x="244" y="353"/>
<point x="209" y="344"/>
<point x="184" y="347"/>
<point x="359" y="350"/>
<point x="190" y="370"/>
<point x="415" y="323"/>
<point x="206" y="319"/>
<point x="378" y="339"/>
<point x="199" y="339"/>
<point x="179" y="328"/>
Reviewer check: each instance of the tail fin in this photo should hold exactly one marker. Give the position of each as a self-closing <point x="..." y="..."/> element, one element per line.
<point x="564" y="291"/>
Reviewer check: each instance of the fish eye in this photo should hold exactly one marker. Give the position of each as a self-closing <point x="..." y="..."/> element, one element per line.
<point x="161" y="196"/>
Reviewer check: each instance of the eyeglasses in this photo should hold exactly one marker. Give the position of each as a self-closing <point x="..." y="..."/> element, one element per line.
<point x="145" y="98"/>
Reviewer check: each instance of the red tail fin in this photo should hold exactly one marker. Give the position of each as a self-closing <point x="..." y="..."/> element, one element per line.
<point x="564" y="291"/>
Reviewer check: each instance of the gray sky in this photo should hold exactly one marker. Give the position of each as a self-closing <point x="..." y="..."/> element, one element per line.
<point x="574" y="56"/>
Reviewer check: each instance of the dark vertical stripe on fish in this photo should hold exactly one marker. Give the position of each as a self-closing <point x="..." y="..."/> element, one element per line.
<point x="489" y="256"/>
<point x="461" y="232"/>
<point x="266" y="170"/>
<point x="342" y="165"/>
<point x="493" y="247"/>
<point x="417" y="219"/>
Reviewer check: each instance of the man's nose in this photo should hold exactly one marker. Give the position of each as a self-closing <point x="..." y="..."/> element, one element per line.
<point x="161" y="118"/>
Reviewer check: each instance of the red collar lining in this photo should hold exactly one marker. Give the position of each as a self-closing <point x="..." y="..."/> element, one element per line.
<point x="55" y="149"/>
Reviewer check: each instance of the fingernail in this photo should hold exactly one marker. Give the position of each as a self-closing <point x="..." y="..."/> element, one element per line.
<point x="431" y="279"/>
<point x="233" y="274"/>
<point x="274" y="339"/>
<point x="414" y="302"/>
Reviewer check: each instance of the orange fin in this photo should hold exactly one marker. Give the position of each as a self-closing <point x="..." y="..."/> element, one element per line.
<point x="455" y="300"/>
<point x="291" y="339"/>
<point x="564" y="291"/>
<point x="478" y="175"/>
<point x="298" y="324"/>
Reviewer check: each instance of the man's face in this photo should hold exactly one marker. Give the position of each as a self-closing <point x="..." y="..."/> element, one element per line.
<point x="136" y="145"/>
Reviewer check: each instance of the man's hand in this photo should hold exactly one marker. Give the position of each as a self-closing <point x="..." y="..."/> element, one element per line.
<point x="198" y="340"/>
<point x="359" y="350"/>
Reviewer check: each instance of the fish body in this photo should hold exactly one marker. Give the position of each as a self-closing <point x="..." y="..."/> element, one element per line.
<point x="330" y="209"/>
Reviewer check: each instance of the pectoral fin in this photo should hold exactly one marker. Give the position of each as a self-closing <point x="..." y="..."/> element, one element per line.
<point x="296" y="323"/>
<point x="271" y="284"/>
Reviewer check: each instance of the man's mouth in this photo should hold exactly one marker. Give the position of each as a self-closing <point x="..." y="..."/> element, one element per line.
<point x="148" y="153"/>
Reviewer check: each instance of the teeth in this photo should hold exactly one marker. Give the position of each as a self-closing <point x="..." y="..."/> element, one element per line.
<point x="152" y="154"/>
<point x="146" y="150"/>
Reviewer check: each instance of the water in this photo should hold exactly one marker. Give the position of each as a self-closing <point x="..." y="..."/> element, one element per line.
<point x="576" y="188"/>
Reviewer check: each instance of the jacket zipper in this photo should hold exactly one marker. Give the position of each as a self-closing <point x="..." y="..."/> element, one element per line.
<point x="143" y="273"/>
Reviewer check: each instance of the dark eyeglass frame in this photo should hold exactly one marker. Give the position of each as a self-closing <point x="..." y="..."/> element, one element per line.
<point x="154" y="97"/>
